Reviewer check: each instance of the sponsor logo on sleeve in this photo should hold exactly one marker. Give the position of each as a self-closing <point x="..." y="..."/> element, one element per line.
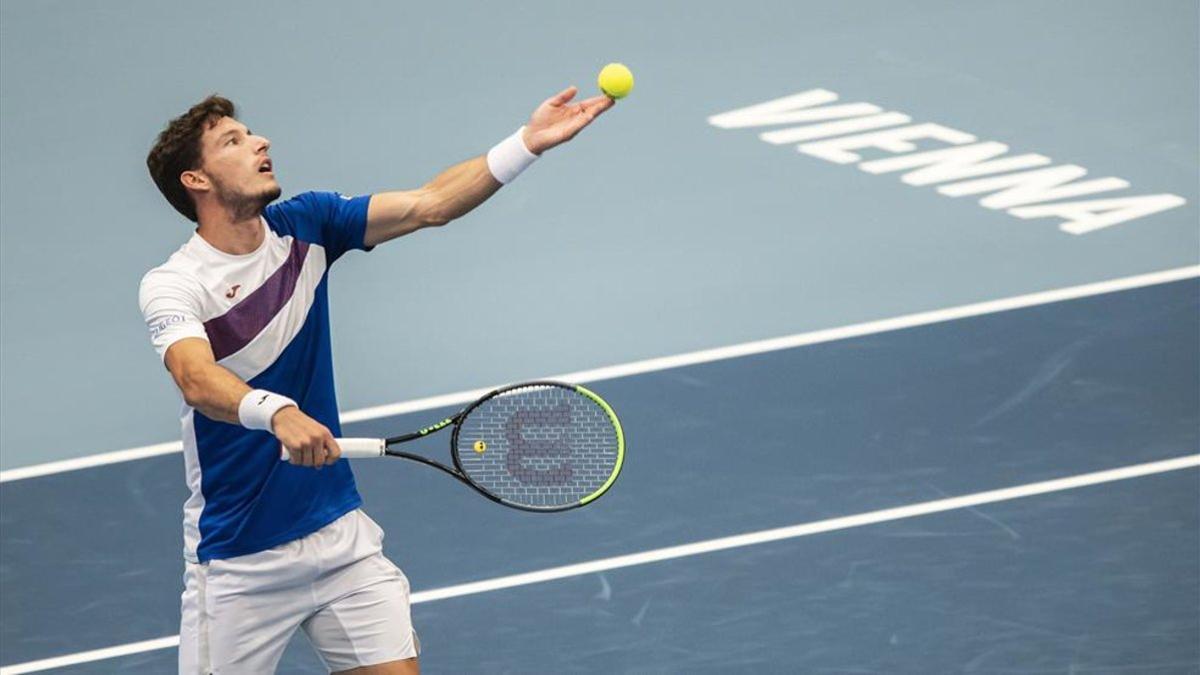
<point x="163" y="323"/>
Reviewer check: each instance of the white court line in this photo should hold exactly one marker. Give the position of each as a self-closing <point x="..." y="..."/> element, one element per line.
<point x="666" y="362"/>
<point x="695" y="548"/>
<point x="94" y="655"/>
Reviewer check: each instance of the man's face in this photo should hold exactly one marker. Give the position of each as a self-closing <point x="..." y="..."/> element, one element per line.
<point x="237" y="164"/>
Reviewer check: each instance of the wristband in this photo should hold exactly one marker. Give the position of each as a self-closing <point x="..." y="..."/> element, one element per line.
<point x="259" y="406"/>
<point x="509" y="158"/>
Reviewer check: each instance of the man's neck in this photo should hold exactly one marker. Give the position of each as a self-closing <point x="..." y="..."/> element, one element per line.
<point x="236" y="237"/>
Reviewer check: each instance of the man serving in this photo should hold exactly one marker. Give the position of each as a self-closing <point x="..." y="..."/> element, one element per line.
<point x="239" y="315"/>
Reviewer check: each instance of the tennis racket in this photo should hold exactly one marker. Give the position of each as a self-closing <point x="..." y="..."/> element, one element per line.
<point x="536" y="446"/>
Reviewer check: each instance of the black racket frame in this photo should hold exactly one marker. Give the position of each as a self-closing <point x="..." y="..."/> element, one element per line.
<point x="457" y="472"/>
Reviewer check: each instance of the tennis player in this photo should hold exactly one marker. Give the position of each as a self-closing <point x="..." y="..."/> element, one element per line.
<point x="239" y="315"/>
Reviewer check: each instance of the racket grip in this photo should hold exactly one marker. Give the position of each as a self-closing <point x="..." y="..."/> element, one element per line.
<point x="352" y="448"/>
<point x="359" y="448"/>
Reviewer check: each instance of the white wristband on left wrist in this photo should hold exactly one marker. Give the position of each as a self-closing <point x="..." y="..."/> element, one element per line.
<point x="510" y="157"/>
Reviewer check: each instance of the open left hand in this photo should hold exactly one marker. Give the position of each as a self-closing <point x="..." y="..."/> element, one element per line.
<point x="557" y="120"/>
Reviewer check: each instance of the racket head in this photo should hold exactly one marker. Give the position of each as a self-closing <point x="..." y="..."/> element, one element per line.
<point x="539" y="446"/>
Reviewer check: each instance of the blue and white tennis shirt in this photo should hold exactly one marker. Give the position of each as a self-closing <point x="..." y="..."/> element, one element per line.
<point x="266" y="316"/>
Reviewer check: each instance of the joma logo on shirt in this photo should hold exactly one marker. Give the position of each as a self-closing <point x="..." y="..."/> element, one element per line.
<point x="233" y="291"/>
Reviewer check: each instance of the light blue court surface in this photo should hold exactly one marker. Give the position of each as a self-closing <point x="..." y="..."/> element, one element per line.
<point x="653" y="233"/>
<point x="658" y="231"/>
<point x="1095" y="579"/>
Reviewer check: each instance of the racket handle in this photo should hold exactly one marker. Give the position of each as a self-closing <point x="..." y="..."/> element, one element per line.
<point x="352" y="448"/>
<point x="359" y="448"/>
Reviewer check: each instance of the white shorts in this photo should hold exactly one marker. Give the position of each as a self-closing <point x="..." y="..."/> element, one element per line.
<point x="351" y="601"/>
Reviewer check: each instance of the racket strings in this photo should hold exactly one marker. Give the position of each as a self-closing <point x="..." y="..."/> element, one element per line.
<point x="539" y="446"/>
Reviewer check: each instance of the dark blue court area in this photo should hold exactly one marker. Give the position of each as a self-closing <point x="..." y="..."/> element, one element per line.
<point x="1101" y="579"/>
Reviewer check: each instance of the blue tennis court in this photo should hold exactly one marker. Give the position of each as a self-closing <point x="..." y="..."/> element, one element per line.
<point x="899" y="305"/>
<point x="1096" y="579"/>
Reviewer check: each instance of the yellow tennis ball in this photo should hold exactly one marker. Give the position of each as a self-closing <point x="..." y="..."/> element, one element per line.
<point x="615" y="80"/>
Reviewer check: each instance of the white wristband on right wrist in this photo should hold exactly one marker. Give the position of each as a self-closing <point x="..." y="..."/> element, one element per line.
<point x="509" y="158"/>
<point x="259" y="406"/>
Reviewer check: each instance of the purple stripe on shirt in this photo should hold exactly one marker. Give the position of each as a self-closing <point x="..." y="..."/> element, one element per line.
<point x="243" y="322"/>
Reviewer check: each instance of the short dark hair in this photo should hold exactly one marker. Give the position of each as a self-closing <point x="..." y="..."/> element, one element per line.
<point x="178" y="149"/>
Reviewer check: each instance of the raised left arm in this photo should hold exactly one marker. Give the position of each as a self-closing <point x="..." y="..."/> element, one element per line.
<point x="462" y="187"/>
<point x="450" y="195"/>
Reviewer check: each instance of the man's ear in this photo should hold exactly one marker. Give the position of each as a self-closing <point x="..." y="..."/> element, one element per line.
<point x="195" y="180"/>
